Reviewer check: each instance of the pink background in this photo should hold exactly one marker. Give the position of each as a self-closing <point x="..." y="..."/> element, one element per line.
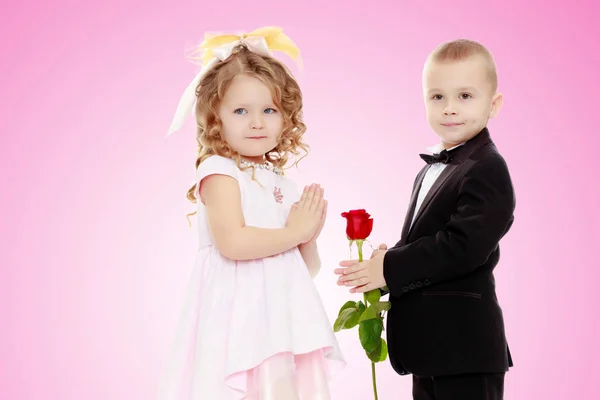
<point x="96" y="250"/>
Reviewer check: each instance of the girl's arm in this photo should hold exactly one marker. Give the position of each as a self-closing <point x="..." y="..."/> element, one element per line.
<point x="310" y="254"/>
<point x="309" y="250"/>
<point x="222" y="199"/>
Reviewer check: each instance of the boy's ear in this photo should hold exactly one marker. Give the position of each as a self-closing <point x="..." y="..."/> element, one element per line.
<point x="497" y="101"/>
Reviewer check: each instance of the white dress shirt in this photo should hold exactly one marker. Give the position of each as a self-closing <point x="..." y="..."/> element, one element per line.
<point x="431" y="176"/>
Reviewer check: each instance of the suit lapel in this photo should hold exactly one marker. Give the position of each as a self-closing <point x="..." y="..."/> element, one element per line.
<point x="434" y="189"/>
<point x="458" y="156"/>
<point x="411" y="207"/>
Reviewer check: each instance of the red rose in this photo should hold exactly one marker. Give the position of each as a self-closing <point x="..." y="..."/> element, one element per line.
<point x="359" y="224"/>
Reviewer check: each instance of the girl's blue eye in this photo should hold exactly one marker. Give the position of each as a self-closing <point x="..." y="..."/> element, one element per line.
<point x="274" y="111"/>
<point x="239" y="111"/>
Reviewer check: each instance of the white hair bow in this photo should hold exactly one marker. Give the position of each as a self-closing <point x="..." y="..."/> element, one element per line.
<point x="216" y="48"/>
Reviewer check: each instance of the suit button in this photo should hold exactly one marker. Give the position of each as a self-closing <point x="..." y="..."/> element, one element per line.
<point x="419" y="284"/>
<point x="427" y="282"/>
<point x="412" y="286"/>
<point x="405" y="289"/>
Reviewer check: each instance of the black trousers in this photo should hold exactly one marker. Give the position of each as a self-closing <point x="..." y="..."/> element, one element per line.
<point x="459" y="387"/>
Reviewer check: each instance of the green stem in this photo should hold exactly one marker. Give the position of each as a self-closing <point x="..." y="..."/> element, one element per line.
<point x="374" y="380"/>
<point x="359" y="244"/>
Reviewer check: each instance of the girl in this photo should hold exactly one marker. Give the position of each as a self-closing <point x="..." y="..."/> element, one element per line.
<point x="253" y="326"/>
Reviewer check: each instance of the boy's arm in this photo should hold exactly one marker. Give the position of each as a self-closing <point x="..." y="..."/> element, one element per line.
<point x="483" y="215"/>
<point x="236" y="241"/>
<point x="385" y="290"/>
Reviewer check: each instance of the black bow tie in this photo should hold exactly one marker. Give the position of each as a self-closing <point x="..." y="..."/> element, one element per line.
<point x="443" y="157"/>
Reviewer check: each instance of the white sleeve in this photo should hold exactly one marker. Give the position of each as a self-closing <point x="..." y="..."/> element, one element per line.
<point x="215" y="165"/>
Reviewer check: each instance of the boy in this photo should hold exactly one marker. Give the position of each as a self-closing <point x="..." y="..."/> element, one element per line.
<point x="445" y="326"/>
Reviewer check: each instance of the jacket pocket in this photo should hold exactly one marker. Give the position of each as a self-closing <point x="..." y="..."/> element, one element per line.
<point x="451" y="293"/>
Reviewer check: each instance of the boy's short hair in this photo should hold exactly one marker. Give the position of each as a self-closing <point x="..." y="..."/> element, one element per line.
<point x="462" y="49"/>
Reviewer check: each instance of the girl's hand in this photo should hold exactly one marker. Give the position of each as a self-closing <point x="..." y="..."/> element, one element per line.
<point x="321" y="224"/>
<point x="306" y="216"/>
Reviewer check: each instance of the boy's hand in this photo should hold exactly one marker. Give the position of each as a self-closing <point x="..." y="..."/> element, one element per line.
<point x="382" y="248"/>
<point x="363" y="276"/>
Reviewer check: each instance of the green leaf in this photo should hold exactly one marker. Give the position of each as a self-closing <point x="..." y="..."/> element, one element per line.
<point x="373" y="296"/>
<point x="374" y="310"/>
<point x="361" y="307"/>
<point x="384" y="306"/>
<point x="348" y="304"/>
<point x="349" y="315"/>
<point x="380" y="353"/>
<point x="369" y="332"/>
<point x="344" y="318"/>
<point x="370" y="313"/>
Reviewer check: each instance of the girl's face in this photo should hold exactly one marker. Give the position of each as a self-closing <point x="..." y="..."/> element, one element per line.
<point x="251" y="121"/>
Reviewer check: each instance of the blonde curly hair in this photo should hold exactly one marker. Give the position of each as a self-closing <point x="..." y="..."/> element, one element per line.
<point x="287" y="96"/>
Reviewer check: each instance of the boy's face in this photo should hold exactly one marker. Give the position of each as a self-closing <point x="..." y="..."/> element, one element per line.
<point x="459" y="99"/>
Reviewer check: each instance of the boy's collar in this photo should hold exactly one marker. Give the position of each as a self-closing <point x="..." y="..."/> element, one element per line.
<point x="436" y="148"/>
<point x="467" y="148"/>
<point x="478" y="140"/>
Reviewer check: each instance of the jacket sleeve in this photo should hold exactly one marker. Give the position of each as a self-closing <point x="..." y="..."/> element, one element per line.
<point x="483" y="213"/>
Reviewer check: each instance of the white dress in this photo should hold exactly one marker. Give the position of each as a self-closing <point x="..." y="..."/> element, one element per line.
<point x="257" y="329"/>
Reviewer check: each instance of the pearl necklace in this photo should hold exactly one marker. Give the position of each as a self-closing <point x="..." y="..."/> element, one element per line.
<point x="262" y="166"/>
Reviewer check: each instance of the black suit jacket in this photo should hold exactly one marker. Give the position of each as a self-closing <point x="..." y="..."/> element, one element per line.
<point x="445" y="318"/>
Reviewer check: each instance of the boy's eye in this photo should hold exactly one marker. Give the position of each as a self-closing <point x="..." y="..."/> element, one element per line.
<point x="465" y="96"/>
<point x="437" y="97"/>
